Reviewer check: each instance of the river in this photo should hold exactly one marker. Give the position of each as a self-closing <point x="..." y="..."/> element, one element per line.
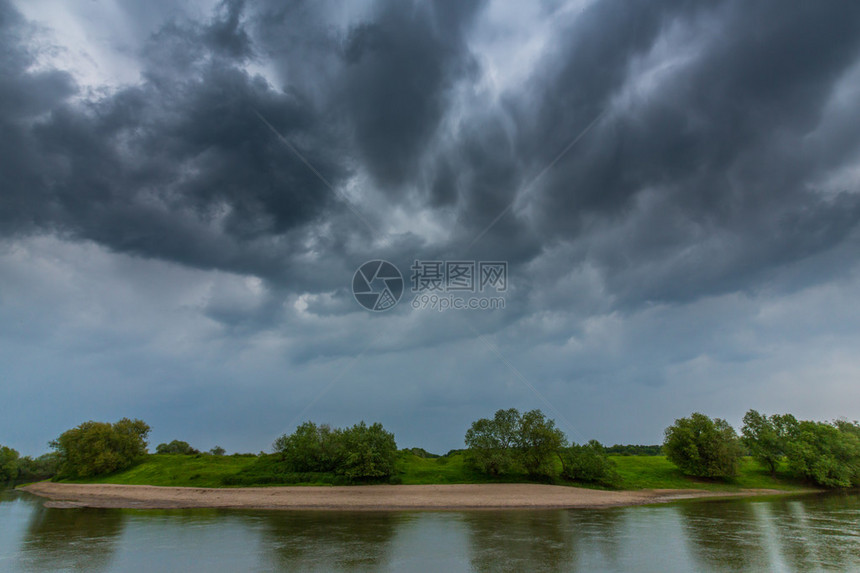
<point x="798" y="533"/>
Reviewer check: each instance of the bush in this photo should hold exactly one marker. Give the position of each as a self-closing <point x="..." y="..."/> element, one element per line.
<point x="358" y="453"/>
<point x="589" y="463"/>
<point x="370" y="452"/>
<point x="176" y="447"/>
<point x="95" y="448"/>
<point x="703" y="447"/>
<point x="311" y="448"/>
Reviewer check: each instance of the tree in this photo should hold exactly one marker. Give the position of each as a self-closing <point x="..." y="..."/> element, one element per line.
<point x="588" y="463"/>
<point x="8" y="464"/>
<point x="361" y="452"/>
<point x="492" y="443"/>
<point x="217" y="451"/>
<point x="311" y="448"/>
<point x="370" y="452"/>
<point x="826" y="454"/>
<point x="538" y="441"/>
<point x="176" y="447"/>
<point x="703" y="447"/>
<point x="767" y="437"/>
<point x="94" y="448"/>
<point x="44" y="467"/>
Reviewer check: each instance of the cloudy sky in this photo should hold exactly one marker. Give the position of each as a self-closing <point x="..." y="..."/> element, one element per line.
<point x="188" y="188"/>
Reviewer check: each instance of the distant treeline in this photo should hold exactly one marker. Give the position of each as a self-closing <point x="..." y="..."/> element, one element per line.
<point x="508" y="444"/>
<point x="634" y="450"/>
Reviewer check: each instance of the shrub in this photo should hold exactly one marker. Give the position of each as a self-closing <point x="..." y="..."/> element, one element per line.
<point x="358" y="453"/>
<point x="176" y="447"/>
<point x="703" y="447"/>
<point x="588" y="463"/>
<point x="370" y="452"/>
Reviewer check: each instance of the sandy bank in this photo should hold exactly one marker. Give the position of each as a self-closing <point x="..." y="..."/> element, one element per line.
<point x="373" y="497"/>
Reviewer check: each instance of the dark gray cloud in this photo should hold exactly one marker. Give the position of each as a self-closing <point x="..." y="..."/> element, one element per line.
<point x="707" y="173"/>
<point x="400" y="70"/>
<point x="697" y="179"/>
<point x="178" y="167"/>
<point x="166" y="233"/>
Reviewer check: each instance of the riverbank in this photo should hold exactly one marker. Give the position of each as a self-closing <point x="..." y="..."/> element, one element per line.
<point x="207" y="471"/>
<point x="371" y="497"/>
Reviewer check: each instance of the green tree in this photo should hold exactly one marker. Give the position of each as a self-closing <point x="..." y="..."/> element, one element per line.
<point x="94" y="448"/>
<point x="370" y="452"/>
<point x="703" y="447"/>
<point x="311" y="448"/>
<point x="826" y="454"/>
<point x="44" y="467"/>
<point x="361" y="452"/>
<point x="588" y="463"/>
<point x="538" y="441"/>
<point x="8" y="464"/>
<point x="217" y="451"/>
<point x="767" y="438"/>
<point x="492" y="443"/>
<point x="176" y="447"/>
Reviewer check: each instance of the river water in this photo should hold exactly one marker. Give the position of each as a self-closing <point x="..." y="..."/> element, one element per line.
<point x="799" y="533"/>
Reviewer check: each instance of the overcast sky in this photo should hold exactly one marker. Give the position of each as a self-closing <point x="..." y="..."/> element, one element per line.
<point x="187" y="188"/>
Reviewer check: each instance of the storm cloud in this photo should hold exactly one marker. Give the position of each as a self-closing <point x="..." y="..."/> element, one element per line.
<point x="642" y="167"/>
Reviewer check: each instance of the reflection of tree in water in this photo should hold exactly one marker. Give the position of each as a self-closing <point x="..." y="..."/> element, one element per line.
<point x="520" y="541"/>
<point x="302" y="541"/>
<point x="71" y="539"/>
<point x="799" y="534"/>
<point x="819" y="531"/>
<point x="725" y="535"/>
<point x="597" y="532"/>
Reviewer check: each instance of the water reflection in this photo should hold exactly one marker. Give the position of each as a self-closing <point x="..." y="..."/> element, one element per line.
<point x="520" y="540"/>
<point x="599" y="535"/>
<point x="75" y="539"/>
<point x="808" y="533"/>
<point x="724" y="535"/>
<point x="327" y="541"/>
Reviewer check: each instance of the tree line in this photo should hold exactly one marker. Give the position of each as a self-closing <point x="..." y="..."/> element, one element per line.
<point x="510" y="443"/>
<point x="825" y="454"/>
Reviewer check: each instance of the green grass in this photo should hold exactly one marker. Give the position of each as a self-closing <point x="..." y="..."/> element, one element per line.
<point x="201" y="470"/>
<point x="414" y="470"/>
<point x="647" y="472"/>
<point x="637" y="472"/>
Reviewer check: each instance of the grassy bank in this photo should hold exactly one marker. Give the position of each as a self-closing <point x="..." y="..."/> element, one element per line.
<point x="201" y="470"/>
<point x="637" y="472"/>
